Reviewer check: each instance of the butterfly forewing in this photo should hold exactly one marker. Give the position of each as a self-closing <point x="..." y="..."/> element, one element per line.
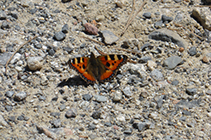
<point x="80" y="64"/>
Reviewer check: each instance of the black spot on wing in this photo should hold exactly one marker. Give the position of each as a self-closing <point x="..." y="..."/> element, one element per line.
<point x="107" y="64"/>
<point x="78" y="59"/>
<point x="73" y="61"/>
<point x="84" y="66"/>
<point x="112" y="56"/>
<point x="119" y="57"/>
<point x="106" y="57"/>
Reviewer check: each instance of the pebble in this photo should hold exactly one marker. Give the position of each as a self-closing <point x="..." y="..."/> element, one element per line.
<point x="91" y="29"/>
<point x="15" y="58"/>
<point x="204" y="59"/>
<point x="59" y="36"/>
<point x="109" y="37"/>
<point x="51" y="52"/>
<point x="5" y="25"/>
<point x="20" y="96"/>
<point x="3" y="15"/>
<point x="100" y="18"/>
<point x="191" y="91"/>
<point x="192" y="51"/>
<point x="99" y="98"/>
<point x="34" y="63"/>
<point x="157" y="75"/>
<point x="87" y="97"/>
<point x="117" y="96"/>
<point x="147" y="15"/>
<point x="71" y="113"/>
<point x="128" y="131"/>
<point x="158" y="24"/>
<point x="14" y="15"/>
<point x="65" y="28"/>
<point x="169" y="36"/>
<point x="9" y="94"/>
<point x="62" y="107"/>
<point x="166" y="18"/>
<point x="127" y="92"/>
<point x="56" y="123"/>
<point x="172" y="62"/>
<point x="151" y="65"/>
<point x="144" y="59"/>
<point x="96" y="115"/>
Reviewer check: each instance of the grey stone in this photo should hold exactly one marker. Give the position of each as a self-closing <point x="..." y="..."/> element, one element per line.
<point x="99" y="98"/>
<point x="192" y="51"/>
<point x="71" y="113"/>
<point x="2" y="121"/>
<point x="127" y="92"/>
<point x="51" y="52"/>
<point x="56" y="123"/>
<point x="8" y="107"/>
<point x="5" y="25"/>
<point x="145" y="59"/>
<point x="3" y="15"/>
<point x="169" y="36"/>
<point x="175" y="82"/>
<point x="166" y="18"/>
<point x="20" y="96"/>
<point x="55" y="114"/>
<point x="109" y="37"/>
<point x="128" y="131"/>
<point x="87" y="97"/>
<point x="65" y="28"/>
<point x="117" y="96"/>
<point x="172" y="62"/>
<point x="157" y="75"/>
<point x="59" y="36"/>
<point x="9" y="93"/>
<point x="96" y="115"/>
<point x="191" y="91"/>
<point x="147" y="15"/>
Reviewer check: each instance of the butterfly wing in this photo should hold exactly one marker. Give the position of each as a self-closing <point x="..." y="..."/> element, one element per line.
<point x="112" y="63"/>
<point x="80" y="64"/>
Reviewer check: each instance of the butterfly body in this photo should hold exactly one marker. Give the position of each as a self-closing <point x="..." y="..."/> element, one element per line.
<point x="98" y="69"/>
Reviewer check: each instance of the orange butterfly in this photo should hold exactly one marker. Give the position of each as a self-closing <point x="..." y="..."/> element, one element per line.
<point x="98" y="69"/>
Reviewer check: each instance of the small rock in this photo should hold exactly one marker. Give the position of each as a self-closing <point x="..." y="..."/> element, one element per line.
<point x="8" y="107"/>
<point x="100" y="18"/>
<point x="56" y="123"/>
<point x="172" y="62"/>
<point x="72" y="113"/>
<point x="34" y="63"/>
<point x="145" y="59"/>
<point x="16" y="58"/>
<point x="51" y="52"/>
<point x="181" y="49"/>
<point x="38" y="46"/>
<point x="59" y="36"/>
<point x="96" y="115"/>
<point x="204" y="59"/>
<point x="157" y="75"/>
<point x="151" y="65"/>
<point x="87" y="97"/>
<point x="192" y="51"/>
<point x="169" y="36"/>
<point x="14" y="15"/>
<point x="5" y="25"/>
<point x="158" y="24"/>
<point x="120" y="118"/>
<point x="64" y="1"/>
<point x="9" y="93"/>
<point x="62" y="107"/>
<point x="191" y="91"/>
<point x="175" y="82"/>
<point x="3" y="15"/>
<point x="99" y="98"/>
<point x="127" y="92"/>
<point x="91" y="29"/>
<point x="55" y="114"/>
<point x="147" y="15"/>
<point x="109" y="37"/>
<point x="65" y="28"/>
<point x="2" y="121"/>
<point x="20" y="96"/>
<point x="117" y="96"/>
<point x="166" y="18"/>
<point x="128" y="131"/>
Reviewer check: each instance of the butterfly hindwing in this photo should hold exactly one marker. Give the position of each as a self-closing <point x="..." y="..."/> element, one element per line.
<point x="112" y="62"/>
<point x="80" y="65"/>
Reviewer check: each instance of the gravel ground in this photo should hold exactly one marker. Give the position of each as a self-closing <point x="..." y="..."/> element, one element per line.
<point x="165" y="95"/>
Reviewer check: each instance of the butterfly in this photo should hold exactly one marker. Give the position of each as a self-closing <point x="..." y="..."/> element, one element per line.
<point x="98" y="69"/>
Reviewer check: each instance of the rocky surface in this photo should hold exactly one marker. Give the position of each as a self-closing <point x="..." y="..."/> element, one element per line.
<point x="165" y="95"/>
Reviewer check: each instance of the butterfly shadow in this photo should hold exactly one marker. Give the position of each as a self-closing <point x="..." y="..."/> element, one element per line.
<point x="74" y="81"/>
